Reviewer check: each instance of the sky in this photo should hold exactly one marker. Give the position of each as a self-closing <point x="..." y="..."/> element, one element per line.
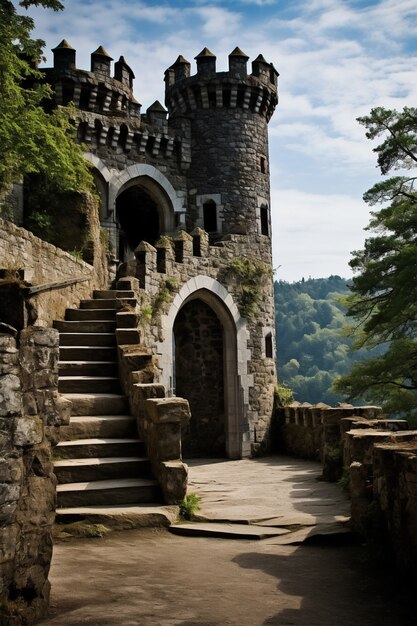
<point x="337" y="60"/>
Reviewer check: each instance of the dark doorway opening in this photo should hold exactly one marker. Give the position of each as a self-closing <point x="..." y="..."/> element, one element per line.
<point x="199" y="377"/>
<point x="138" y="219"/>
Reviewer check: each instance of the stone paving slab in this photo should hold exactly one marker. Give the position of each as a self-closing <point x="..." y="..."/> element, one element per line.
<point x="227" y="531"/>
<point x="256" y="490"/>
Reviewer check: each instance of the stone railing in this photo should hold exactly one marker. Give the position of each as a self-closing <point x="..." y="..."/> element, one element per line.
<point x="159" y="419"/>
<point x="316" y="432"/>
<point x="31" y="413"/>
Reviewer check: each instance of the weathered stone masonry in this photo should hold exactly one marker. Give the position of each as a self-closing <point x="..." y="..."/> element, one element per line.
<point x="31" y="412"/>
<point x="199" y="177"/>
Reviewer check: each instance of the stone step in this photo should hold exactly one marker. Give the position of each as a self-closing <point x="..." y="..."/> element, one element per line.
<point x="90" y="314"/>
<point x="108" y="303"/>
<point x="128" y="336"/>
<point x="108" y="492"/>
<point x="89" y="384"/>
<point x="106" y="294"/>
<point x="98" y="404"/>
<point x="90" y="426"/>
<point x="98" y="447"/>
<point x="87" y="339"/>
<point x="88" y="368"/>
<point x="121" y="517"/>
<point x="107" y="468"/>
<point x="85" y="326"/>
<point x="87" y="353"/>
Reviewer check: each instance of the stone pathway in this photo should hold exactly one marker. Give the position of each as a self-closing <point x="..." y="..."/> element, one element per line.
<point x="151" y="577"/>
<point x="272" y="496"/>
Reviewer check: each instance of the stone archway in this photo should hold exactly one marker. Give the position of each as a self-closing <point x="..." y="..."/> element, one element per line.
<point x="138" y="219"/>
<point x="199" y="377"/>
<point x="236" y="379"/>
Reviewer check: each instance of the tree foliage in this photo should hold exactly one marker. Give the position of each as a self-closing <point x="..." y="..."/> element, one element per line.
<point x="383" y="302"/>
<point x="31" y="139"/>
<point x="311" y="349"/>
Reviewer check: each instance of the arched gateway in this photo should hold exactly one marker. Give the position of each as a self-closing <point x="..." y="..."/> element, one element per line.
<point x="204" y="359"/>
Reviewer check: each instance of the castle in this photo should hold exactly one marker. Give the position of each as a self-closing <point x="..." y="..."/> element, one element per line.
<point x="184" y="196"/>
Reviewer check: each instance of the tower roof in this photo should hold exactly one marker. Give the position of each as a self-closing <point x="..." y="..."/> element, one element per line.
<point x="122" y="61"/>
<point x="260" y="59"/>
<point x="64" y="45"/>
<point x="180" y="61"/>
<point x="157" y="107"/>
<point x="237" y="52"/>
<point x="102" y="53"/>
<point x="205" y="53"/>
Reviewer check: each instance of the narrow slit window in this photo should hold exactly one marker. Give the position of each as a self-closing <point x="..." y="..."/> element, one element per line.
<point x="262" y="163"/>
<point x="268" y="346"/>
<point x="264" y="221"/>
<point x="210" y="216"/>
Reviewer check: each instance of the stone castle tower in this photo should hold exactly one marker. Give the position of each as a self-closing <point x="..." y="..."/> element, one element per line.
<point x="184" y="196"/>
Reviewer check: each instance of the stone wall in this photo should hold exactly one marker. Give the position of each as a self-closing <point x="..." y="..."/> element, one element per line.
<point x="395" y="495"/>
<point x="31" y="412"/>
<point x="377" y="461"/>
<point x="175" y="266"/>
<point x="43" y="264"/>
<point x="317" y="432"/>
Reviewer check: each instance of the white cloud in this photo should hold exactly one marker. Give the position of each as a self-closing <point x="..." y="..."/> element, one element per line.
<point x="313" y="234"/>
<point x="337" y="60"/>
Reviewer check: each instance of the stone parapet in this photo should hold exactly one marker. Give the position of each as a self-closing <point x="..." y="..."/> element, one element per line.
<point x="317" y="431"/>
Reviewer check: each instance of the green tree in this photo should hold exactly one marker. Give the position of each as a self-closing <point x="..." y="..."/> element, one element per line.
<point x="311" y="350"/>
<point x="383" y="302"/>
<point x="33" y="140"/>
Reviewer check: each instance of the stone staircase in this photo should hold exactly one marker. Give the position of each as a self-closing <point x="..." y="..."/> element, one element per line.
<point x="100" y="462"/>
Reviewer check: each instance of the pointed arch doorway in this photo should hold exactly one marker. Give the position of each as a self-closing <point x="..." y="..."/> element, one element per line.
<point x="205" y="373"/>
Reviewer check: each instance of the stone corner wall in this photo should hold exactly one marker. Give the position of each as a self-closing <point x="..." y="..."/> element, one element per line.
<point x="43" y="263"/>
<point x="31" y="413"/>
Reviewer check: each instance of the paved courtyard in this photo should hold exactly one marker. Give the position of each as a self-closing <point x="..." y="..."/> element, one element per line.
<point x="151" y="577"/>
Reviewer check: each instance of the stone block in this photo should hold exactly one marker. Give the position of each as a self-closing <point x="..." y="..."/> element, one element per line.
<point x="174" y="483"/>
<point x="10" y="395"/>
<point x="8" y="540"/>
<point x="164" y="441"/>
<point x="39" y="336"/>
<point x="168" y="410"/>
<point x="11" y="469"/>
<point x="28" y="431"/>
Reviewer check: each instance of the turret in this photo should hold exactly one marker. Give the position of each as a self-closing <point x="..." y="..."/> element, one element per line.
<point x="64" y="56"/>
<point x="123" y="73"/>
<point x="227" y="115"/>
<point x="101" y="62"/>
<point x="238" y="63"/>
<point x="206" y="63"/>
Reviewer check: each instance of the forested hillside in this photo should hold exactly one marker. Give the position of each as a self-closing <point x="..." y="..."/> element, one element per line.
<point x="311" y="350"/>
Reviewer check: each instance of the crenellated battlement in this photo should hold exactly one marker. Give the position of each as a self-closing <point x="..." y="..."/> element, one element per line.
<point x="235" y="89"/>
<point x="95" y="90"/>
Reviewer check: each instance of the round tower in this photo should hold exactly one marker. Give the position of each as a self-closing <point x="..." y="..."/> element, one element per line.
<point x="225" y="116"/>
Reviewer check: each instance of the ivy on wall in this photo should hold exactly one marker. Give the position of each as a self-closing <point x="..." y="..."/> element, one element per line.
<point x="249" y="276"/>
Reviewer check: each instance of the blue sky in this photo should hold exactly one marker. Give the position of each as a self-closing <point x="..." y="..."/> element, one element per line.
<point x="337" y="59"/>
